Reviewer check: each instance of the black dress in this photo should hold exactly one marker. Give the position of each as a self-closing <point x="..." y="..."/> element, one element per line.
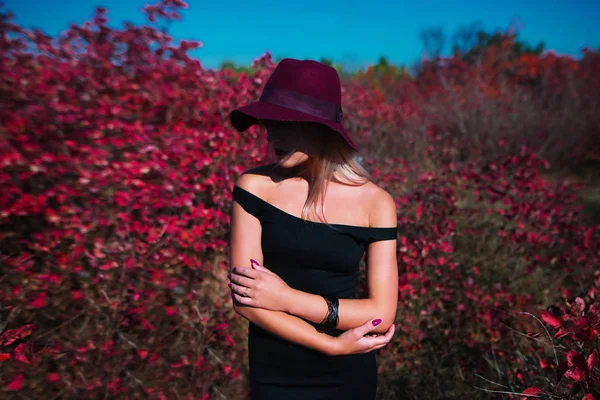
<point x="314" y="258"/>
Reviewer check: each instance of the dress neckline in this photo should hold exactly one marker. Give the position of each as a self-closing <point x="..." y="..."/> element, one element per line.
<point x="309" y="221"/>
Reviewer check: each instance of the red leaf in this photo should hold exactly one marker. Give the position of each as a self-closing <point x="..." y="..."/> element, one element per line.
<point x="108" y="265"/>
<point x="19" y="354"/>
<point x="4" y="356"/>
<point x="575" y="359"/>
<point x="170" y="310"/>
<point x="39" y="301"/>
<point x="586" y="237"/>
<point x="580" y="305"/>
<point x="11" y="335"/>
<point x="143" y="354"/>
<point x="574" y="373"/>
<point x="419" y="210"/>
<point x="591" y="360"/>
<point x="532" y="392"/>
<point x="561" y="333"/>
<point x="53" y="377"/>
<point x="16" y="384"/>
<point x="550" y="319"/>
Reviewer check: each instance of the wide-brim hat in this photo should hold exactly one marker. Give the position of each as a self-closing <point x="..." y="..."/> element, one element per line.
<point x="300" y="91"/>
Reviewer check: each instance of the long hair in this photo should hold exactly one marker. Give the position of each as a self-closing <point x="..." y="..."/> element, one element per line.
<point x="335" y="161"/>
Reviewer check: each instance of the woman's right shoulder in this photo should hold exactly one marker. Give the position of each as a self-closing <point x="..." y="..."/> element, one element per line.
<point x="256" y="179"/>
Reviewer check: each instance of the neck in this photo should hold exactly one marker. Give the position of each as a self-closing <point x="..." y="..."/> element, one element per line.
<point x="302" y="171"/>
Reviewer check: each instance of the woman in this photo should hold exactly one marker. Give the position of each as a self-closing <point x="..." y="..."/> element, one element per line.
<point x="309" y="218"/>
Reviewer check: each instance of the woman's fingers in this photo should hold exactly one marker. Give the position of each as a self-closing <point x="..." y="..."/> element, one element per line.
<point x="239" y="289"/>
<point x="245" y="271"/>
<point x="242" y="280"/>
<point x="390" y="332"/>
<point x="378" y="347"/>
<point x="384" y="339"/>
<point x="241" y="299"/>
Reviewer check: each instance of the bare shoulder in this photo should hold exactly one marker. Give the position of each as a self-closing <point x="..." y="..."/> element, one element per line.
<point x="382" y="207"/>
<point x="255" y="179"/>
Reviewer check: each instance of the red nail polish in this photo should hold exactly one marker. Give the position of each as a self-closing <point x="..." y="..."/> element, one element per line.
<point x="254" y="262"/>
<point x="376" y="322"/>
<point x="229" y="284"/>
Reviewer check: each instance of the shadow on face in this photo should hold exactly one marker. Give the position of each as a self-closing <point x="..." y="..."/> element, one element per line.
<point x="296" y="142"/>
<point x="313" y="148"/>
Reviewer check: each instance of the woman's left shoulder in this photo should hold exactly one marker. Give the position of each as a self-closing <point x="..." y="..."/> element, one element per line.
<point x="381" y="205"/>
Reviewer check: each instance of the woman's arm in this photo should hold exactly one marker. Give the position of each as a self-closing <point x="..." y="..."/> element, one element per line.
<point x="382" y="273"/>
<point x="245" y="243"/>
<point x="382" y="276"/>
<point x="382" y="279"/>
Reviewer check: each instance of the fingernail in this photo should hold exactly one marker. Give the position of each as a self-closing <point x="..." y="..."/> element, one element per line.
<point x="229" y="284"/>
<point x="254" y="262"/>
<point x="229" y="276"/>
<point x="376" y="322"/>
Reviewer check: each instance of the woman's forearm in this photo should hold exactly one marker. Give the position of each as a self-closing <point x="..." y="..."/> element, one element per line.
<point x="288" y="327"/>
<point x="351" y="312"/>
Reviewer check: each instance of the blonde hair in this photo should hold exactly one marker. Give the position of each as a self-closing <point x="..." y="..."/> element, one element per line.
<point x="335" y="160"/>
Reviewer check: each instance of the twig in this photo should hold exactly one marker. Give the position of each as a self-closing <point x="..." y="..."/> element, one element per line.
<point x="548" y="333"/>
<point x="60" y="326"/>
<point x="495" y="361"/>
<point x="520" y="333"/>
<point x="516" y="393"/>
<point x="492" y="382"/>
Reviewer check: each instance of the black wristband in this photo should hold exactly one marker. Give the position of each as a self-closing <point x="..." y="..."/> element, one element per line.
<point x="330" y="322"/>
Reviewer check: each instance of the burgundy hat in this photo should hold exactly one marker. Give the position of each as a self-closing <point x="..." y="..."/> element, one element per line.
<point x="297" y="90"/>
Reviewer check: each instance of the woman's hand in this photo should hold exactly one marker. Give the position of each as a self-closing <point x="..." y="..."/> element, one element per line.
<point x="359" y="340"/>
<point x="259" y="287"/>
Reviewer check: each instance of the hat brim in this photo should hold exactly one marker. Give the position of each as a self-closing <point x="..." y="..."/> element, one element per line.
<point x="244" y="117"/>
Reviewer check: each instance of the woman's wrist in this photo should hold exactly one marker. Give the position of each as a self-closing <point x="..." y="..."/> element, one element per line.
<point x="332" y="346"/>
<point x="291" y="301"/>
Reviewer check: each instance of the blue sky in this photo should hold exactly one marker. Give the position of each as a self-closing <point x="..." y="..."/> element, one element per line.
<point x="354" y="33"/>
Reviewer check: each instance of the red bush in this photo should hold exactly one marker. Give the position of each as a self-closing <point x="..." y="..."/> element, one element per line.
<point x="116" y="166"/>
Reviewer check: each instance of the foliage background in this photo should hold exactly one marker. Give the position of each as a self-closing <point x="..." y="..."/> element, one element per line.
<point x="117" y="163"/>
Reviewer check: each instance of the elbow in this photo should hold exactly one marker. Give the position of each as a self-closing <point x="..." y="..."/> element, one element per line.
<point x="384" y="325"/>
<point x="387" y="315"/>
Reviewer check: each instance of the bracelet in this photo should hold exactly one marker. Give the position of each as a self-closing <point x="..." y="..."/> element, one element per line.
<point x="331" y="320"/>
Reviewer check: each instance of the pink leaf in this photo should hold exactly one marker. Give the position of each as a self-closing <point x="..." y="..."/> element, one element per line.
<point x="16" y="383"/>
<point x="545" y="364"/>
<point x="550" y="319"/>
<point x="591" y="360"/>
<point x="574" y="373"/>
<point x="11" y="335"/>
<point x="419" y="210"/>
<point x="19" y="354"/>
<point x="532" y="392"/>
<point x="39" y="301"/>
<point x="580" y="303"/>
<point x="562" y="332"/>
